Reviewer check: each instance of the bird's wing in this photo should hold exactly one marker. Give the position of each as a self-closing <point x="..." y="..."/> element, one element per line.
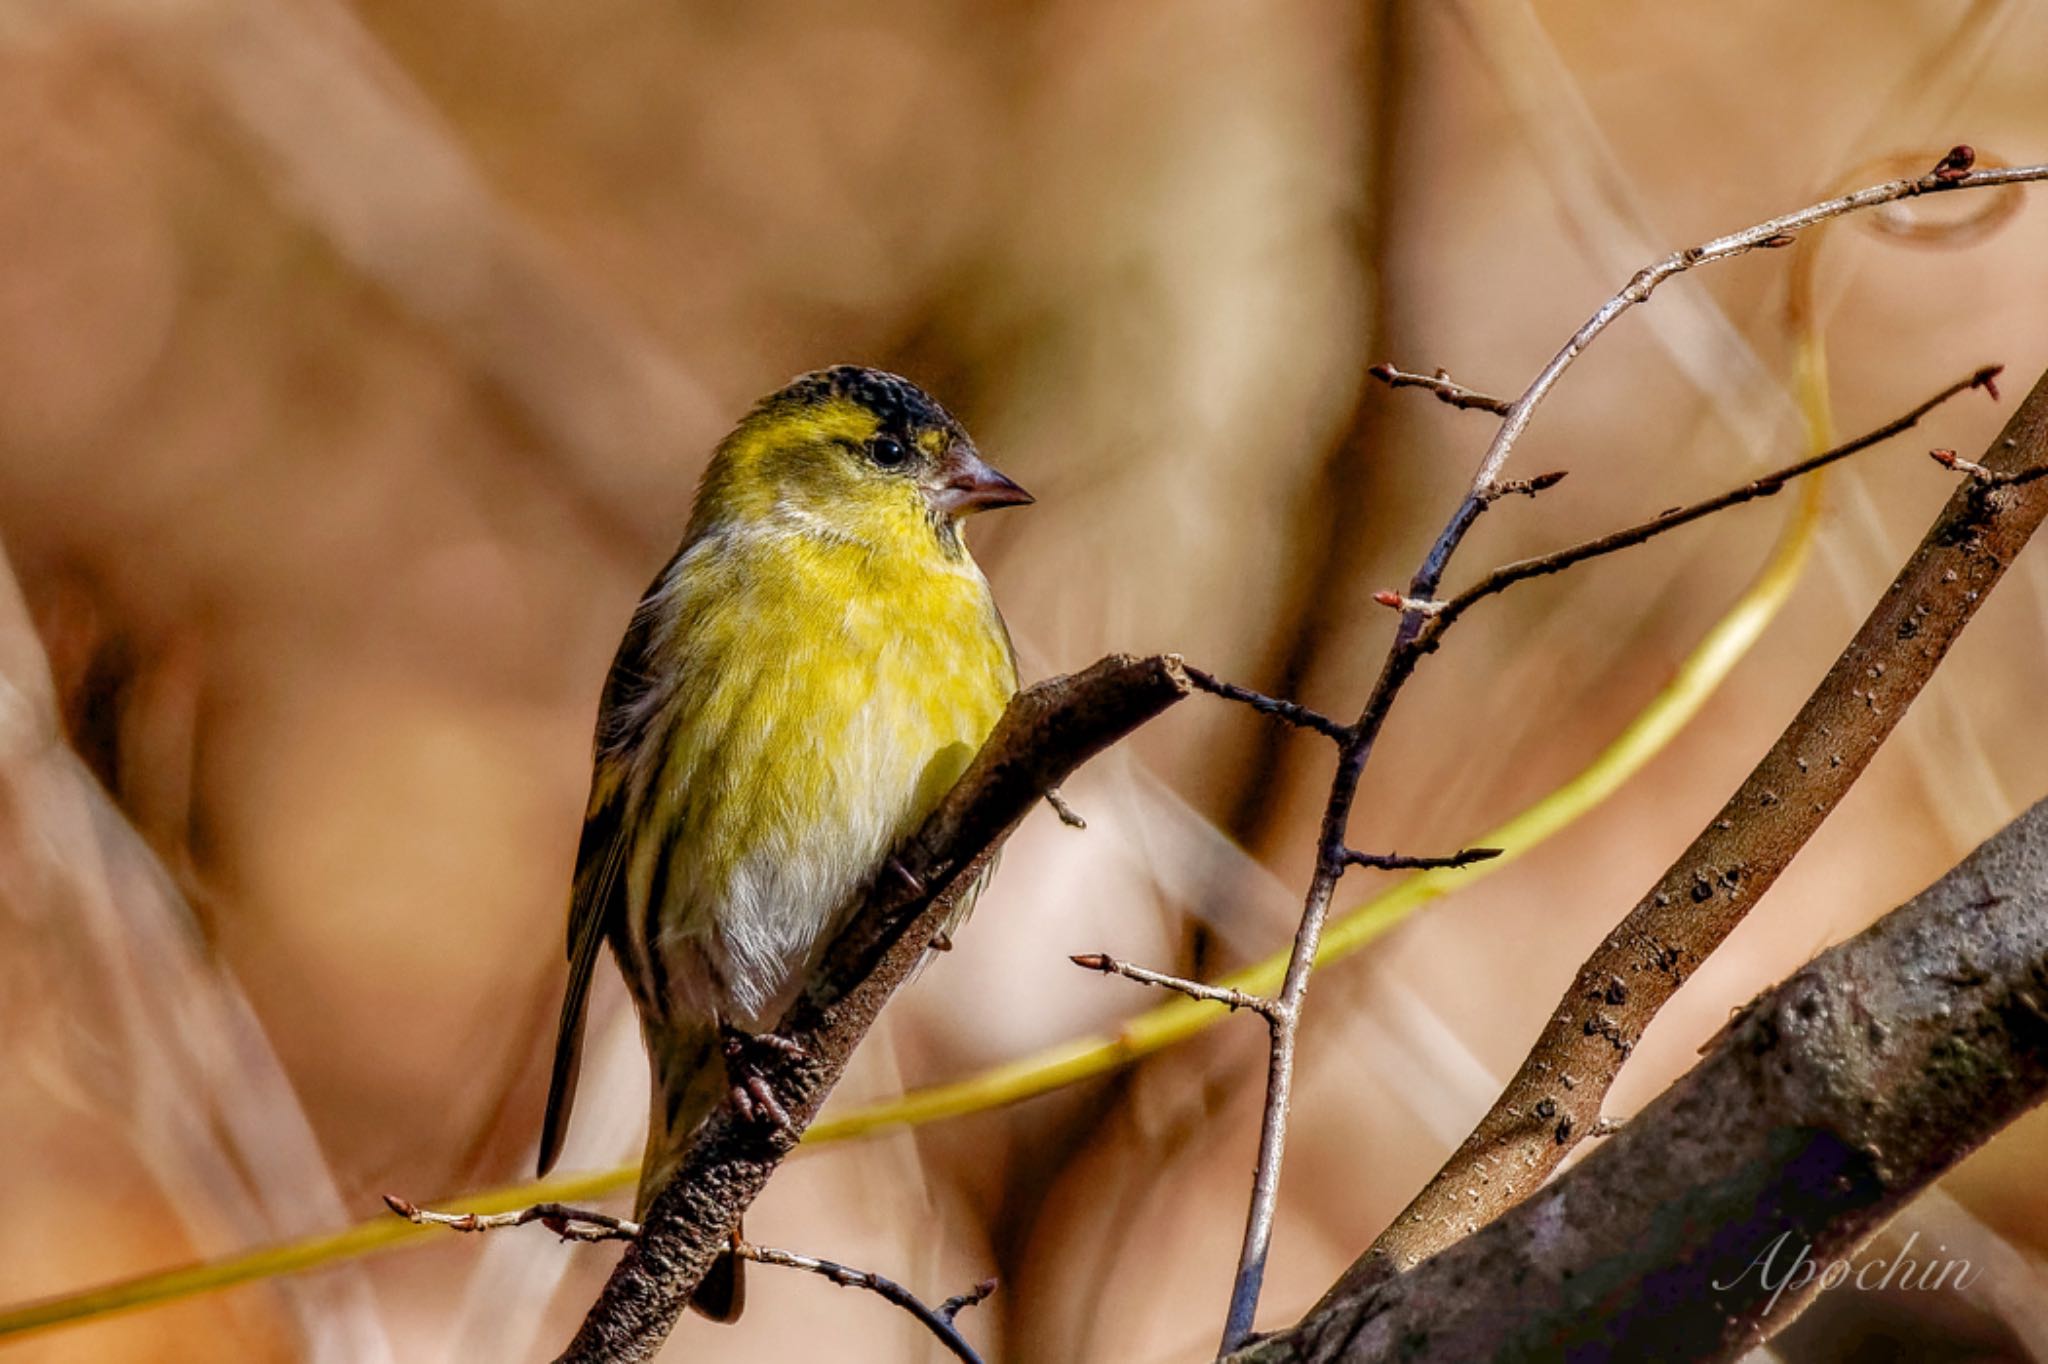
<point x="595" y="901"/>
<point x="609" y="825"/>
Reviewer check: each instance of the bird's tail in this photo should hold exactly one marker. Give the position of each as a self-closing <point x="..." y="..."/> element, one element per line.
<point x="689" y="1082"/>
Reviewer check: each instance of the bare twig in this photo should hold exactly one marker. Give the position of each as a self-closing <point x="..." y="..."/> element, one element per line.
<point x="1417" y="605"/>
<point x="1289" y="712"/>
<point x="1522" y="570"/>
<point x="585" y="1224"/>
<point x="569" y="1223"/>
<point x="1441" y="384"/>
<point x="1710" y="887"/>
<point x="1465" y="857"/>
<point x="1988" y="478"/>
<point x="1193" y="989"/>
<point x="1825" y="1106"/>
<point x="1047" y="732"/>
<point x="1943" y="178"/>
<point x="973" y="1297"/>
<point x="938" y="1320"/>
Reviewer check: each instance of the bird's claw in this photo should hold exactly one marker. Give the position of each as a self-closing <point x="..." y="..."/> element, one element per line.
<point x="756" y="1103"/>
<point x="752" y="1096"/>
<point x="910" y="879"/>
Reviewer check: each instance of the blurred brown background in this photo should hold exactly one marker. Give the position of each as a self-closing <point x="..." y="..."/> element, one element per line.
<point x="356" y="366"/>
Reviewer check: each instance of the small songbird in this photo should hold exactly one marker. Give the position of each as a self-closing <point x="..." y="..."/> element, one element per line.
<point x="800" y="686"/>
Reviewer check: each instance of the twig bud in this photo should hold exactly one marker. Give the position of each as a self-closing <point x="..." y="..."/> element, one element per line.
<point x="1956" y="164"/>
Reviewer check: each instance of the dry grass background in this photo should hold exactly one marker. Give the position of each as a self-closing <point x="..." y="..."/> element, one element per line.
<point x="356" y="365"/>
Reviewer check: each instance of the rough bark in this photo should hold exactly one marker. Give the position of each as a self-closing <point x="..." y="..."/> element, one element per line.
<point x="1818" y="1113"/>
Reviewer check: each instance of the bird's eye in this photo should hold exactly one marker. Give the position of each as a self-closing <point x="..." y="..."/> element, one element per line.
<point x="887" y="451"/>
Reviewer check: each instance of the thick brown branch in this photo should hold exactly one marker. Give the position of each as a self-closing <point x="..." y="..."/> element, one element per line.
<point x="1522" y="570"/>
<point x="1712" y="1218"/>
<point x="1556" y="1095"/>
<point x="1048" y="731"/>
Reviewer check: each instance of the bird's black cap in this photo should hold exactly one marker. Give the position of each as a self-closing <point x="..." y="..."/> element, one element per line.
<point x="899" y="405"/>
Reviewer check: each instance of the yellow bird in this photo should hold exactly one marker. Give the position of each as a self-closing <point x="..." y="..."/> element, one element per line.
<point x="801" y="684"/>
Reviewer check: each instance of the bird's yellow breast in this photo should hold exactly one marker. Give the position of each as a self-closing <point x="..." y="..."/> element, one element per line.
<point x="826" y="696"/>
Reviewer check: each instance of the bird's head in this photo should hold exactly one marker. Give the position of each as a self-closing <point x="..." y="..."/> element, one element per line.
<point x="854" y="453"/>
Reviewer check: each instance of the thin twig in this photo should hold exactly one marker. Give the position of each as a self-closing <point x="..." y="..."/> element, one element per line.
<point x="586" y="1224"/>
<point x="1986" y="477"/>
<point x="1193" y="989"/>
<point x="1944" y="178"/>
<point x="1441" y="384"/>
<point x="1069" y="816"/>
<point x="1506" y="576"/>
<point x="1396" y="862"/>
<point x="938" y="1320"/>
<point x="569" y="1223"/>
<point x="1288" y="712"/>
<point x="973" y="1297"/>
<point x="1952" y="173"/>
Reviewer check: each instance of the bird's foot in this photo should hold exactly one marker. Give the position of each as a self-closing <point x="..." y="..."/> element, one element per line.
<point x="745" y="1052"/>
<point x="756" y="1103"/>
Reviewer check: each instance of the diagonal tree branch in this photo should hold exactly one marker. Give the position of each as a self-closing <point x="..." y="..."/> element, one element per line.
<point x="1049" y="730"/>
<point x="1716" y="1215"/>
<point x="1555" y="1098"/>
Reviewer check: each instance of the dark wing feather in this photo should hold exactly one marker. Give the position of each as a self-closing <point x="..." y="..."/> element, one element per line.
<point x="596" y="900"/>
<point x="597" y="903"/>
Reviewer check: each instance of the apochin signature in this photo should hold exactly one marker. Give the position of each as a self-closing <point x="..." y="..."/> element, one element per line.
<point x="1788" y="1264"/>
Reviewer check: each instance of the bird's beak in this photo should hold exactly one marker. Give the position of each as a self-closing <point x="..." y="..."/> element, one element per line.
<point x="967" y="484"/>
